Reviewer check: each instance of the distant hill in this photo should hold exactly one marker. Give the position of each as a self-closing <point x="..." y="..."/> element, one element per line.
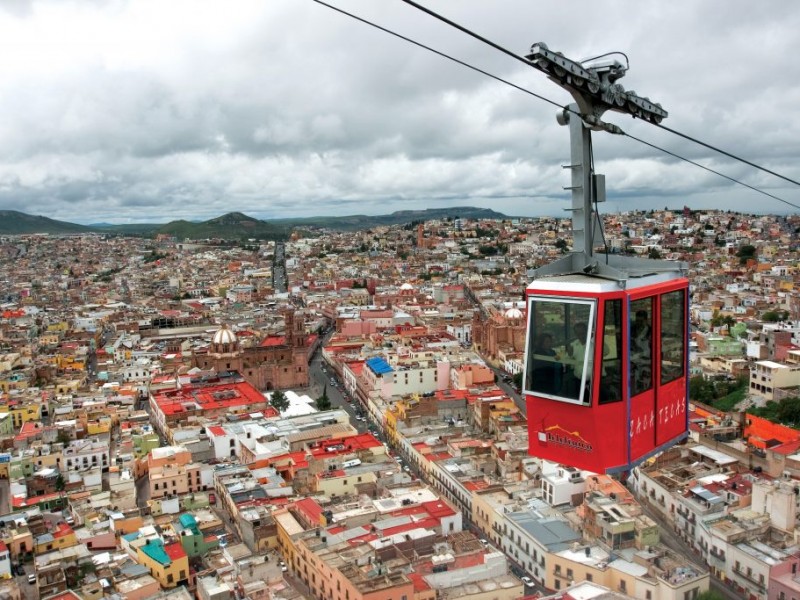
<point x="233" y="225"/>
<point x="236" y="225"/>
<point x="400" y="217"/>
<point x="13" y="222"/>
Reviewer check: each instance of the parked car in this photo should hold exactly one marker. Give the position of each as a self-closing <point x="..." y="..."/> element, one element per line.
<point x="527" y="581"/>
<point x="31" y="578"/>
<point x="19" y="570"/>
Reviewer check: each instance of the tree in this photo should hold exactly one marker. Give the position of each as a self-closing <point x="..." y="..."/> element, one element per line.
<point x="788" y="411"/>
<point x="60" y="483"/>
<point x="710" y="595"/>
<point x="279" y="401"/>
<point x="653" y="253"/>
<point x="745" y="253"/>
<point x="323" y="402"/>
<point x="561" y="245"/>
<point x="772" y="316"/>
<point x="728" y="321"/>
<point x="517" y="378"/>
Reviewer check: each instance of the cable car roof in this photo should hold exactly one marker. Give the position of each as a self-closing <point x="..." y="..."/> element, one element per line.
<point x="588" y="283"/>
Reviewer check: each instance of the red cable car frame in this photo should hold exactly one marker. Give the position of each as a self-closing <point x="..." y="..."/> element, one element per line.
<point x="616" y="403"/>
<point x="606" y="356"/>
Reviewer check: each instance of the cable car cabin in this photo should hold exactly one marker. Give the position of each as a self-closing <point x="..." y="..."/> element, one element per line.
<point x="606" y="369"/>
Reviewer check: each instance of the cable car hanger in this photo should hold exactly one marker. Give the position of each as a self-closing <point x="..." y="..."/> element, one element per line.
<point x="595" y="90"/>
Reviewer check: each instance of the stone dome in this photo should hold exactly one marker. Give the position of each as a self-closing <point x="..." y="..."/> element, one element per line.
<point x="513" y="313"/>
<point x="406" y="286"/>
<point x="224" y="336"/>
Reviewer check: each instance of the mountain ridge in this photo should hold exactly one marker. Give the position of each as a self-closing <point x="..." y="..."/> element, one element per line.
<point x="236" y="225"/>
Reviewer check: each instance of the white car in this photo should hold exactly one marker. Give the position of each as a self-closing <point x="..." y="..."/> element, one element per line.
<point x="527" y="581"/>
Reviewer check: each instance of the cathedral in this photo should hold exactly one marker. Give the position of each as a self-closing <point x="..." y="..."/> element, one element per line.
<point x="273" y="363"/>
<point x="499" y="335"/>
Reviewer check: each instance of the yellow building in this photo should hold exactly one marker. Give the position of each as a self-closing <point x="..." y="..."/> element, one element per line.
<point x="168" y="563"/>
<point x="18" y="538"/>
<point x="60" y="327"/>
<point x="307" y="558"/>
<point x="489" y="507"/>
<point x="22" y="413"/>
<point x="62" y="537"/>
<point x="340" y="483"/>
<point x="98" y="426"/>
<point x="68" y="387"/>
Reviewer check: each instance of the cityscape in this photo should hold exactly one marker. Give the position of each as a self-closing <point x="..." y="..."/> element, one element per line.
<point x="346" y="300"/>
<point x="341" y="415"/>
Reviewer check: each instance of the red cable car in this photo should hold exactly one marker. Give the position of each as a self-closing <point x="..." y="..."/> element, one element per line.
<point x="605" y="379"/>
<point x="606" y="355"/>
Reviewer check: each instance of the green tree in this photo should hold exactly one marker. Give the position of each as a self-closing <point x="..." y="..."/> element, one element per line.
<point x="653" y="253"/>
<point x="710" y="595"/>
<point x="788" y="412"/>
<point x="772" y="316"/>
<point x="279" y="401"/>
<point x="701" y="389"/>
<point x="745" y="253"/>
<point x="517" y="380"/>
<point x="323" y="402"/>
<point x="60" y="483"/>
<point x="561" y="245"/>
<point x="728" y="321"/>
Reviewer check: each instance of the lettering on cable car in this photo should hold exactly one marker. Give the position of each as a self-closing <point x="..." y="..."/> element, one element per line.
<point x="665" y="415"/>
<point x="570" y="439"/>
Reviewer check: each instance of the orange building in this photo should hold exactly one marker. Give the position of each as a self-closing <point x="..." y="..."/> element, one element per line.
<point x="276" y="362"/>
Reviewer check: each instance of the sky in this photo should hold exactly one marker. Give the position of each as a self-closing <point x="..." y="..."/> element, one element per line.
<point x="121" y="111"/>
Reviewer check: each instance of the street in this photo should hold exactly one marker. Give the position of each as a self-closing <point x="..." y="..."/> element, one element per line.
<point x="319" y="379"/>
<point x="5" y="497"/>
<point x="671" y="540"/>
<point x="509" y="389"/>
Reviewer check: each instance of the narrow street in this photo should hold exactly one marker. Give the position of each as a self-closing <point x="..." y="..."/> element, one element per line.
<point x="671" y="540"/>
<point x="319" y="376"/>
<point x="5" y="497"/>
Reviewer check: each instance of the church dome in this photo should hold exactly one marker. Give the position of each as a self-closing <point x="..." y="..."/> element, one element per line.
<point x="406" y="286"/>
<point x="513" y="313"/>
<point x="224" y="336"/>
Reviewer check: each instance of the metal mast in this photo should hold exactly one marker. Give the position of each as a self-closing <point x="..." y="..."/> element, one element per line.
<point x="595" y="90"/>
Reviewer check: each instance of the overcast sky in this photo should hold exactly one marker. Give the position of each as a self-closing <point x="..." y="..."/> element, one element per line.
<point x="153" y="110"/>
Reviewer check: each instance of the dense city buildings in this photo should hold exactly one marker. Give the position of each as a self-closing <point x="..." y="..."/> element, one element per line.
<point x="177" y="423"/>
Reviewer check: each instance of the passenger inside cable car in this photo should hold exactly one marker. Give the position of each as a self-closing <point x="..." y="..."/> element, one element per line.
<point x="547" y="366"/>
<point x="561" y="357"/>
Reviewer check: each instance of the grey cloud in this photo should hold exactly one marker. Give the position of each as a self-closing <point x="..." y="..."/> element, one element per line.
<point x="300" y="109"/>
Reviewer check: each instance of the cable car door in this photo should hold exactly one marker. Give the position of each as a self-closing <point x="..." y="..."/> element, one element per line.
<point x="642" y="321"/>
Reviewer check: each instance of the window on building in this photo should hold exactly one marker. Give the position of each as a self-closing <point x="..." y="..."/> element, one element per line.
<point x="169" y="578"/>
